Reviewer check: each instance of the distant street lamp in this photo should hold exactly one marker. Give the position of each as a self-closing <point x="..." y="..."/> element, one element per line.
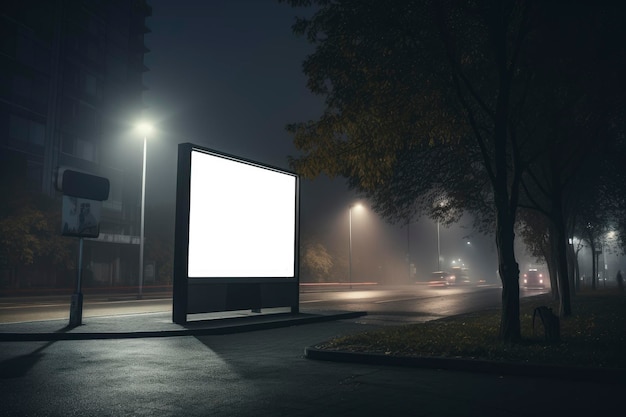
<point x="438" y="249"/>
<point x="145" y="129"/>
<point x="358" y="206"/>
<point x="408" y="248"/>
<point x="440" y="206"/>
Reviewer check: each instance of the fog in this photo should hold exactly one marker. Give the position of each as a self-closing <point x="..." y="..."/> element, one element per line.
<point x="230" y="78"/>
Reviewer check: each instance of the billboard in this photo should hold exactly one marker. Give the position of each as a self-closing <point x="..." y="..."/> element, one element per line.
<point x="242" y="219"/>
<point x="237" y="234"/>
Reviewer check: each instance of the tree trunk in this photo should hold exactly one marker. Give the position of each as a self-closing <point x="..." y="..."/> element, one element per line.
<point x="594" y="266"/>
<point x="559" y="237"/>
<point x="509" y="273"/>
<point x="553" y="271"/>
<point x="577" y="271"/>
<point x="572" y="267"/>
<point x="565" y="308"/>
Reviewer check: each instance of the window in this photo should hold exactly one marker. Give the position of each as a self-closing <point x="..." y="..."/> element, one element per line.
<point x="69" y="111"/>
<point x="31" y="92"/>
<point x="88" y="119"/>
<point x="21" y="86"/>
<point x="67" y="144"/>
<point x="27" y="132"/>
<point x="85" y="150"/>
<point x="37" y="134"/>
<point x="79" y="147"/>
<point x="116" y="68"/>
<point x="114" y="203"/>
<point x="34" y="174"/>
<point x="90" y="84"/>
<point x="93" y="51"/>
<point x="18" y="128"/>
<point x="32" y="54"/>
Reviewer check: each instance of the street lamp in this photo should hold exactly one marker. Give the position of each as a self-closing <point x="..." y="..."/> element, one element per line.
<point x="439" y="206"/>
<point x="438" y="249"/>
<point x="145" y="129"/>
<point x="408" y="247"/>
<point x="358" y="206"/>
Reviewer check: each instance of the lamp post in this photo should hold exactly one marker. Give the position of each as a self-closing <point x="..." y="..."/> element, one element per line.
<point x="440" y="207"/>
<point x="438" y="249"/>
<point x="408" y="247"/>
<point x="145" y="129"/>
<point x="356" y="205"/>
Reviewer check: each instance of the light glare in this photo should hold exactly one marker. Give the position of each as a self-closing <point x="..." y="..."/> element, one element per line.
<point x="144" y="128"/>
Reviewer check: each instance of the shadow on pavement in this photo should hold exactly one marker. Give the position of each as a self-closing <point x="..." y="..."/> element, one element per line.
<point x="20" y="365"/>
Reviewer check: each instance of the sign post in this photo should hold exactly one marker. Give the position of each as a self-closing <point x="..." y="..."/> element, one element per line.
<point x="82" y="203"/>
<point x="76" y="304"/>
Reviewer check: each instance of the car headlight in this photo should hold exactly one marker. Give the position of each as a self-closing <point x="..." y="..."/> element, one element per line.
<point x="525" y="281"/>
<point x="541" y="281"/>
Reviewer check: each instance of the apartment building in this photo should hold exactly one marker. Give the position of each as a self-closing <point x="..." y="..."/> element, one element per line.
<point x="71" y="89"/>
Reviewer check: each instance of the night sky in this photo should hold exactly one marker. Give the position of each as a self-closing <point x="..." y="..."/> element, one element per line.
<point x="227" y="75"/>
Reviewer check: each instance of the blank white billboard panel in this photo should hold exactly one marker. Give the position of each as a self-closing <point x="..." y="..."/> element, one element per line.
<point x="242" y="219"/>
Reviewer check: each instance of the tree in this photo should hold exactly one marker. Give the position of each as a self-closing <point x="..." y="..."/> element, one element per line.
<point x="534" y="228"/>
<point x="430" y="98"/>
<point x="30" y="226"/>
<point x="420" y="75"/>
<point x="316" y="261"/>
<point x="570" y="108"/>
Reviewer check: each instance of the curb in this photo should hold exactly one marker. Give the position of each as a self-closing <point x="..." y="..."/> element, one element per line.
<point x="602" y="375"/>
<point x="204" y="331"/>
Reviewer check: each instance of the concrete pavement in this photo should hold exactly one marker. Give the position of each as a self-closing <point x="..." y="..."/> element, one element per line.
<point x="249" y="364"/>
<point x="161" y="325"/>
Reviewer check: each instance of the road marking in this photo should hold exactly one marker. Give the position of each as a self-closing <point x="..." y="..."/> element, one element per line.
<point x="32" y="306"/>
<point x="398" y="299"/>
<point x="85" y="302"/>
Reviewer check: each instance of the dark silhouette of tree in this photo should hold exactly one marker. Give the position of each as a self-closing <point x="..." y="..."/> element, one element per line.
<point x="427" y="100"/>
<point x="30" y="227"/>
<point x="316" y="262"/>
<point x="534" y="229"/>
<point x="570" y="107"/>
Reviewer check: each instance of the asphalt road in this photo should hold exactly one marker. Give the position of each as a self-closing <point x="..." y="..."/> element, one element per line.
<point x="384" y="304"/>
<point x="264" y="373"/>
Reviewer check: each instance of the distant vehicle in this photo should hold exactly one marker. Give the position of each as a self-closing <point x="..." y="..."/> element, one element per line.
<point x="460" y="276"/>
<point x="440" y="279"/>
<point x="533" y="279"/>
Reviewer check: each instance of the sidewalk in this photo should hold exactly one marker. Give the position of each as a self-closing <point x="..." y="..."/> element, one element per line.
<point x="155" y="325"/>
<point x="160" y="325"/>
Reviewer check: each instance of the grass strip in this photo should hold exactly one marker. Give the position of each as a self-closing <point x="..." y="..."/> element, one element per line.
<point x="593" y="336"/>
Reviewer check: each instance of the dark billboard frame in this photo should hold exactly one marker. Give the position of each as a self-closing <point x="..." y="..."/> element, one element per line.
<point x="214" y="294"/>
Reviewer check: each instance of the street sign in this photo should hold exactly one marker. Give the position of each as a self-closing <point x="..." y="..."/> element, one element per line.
<point x="79" y="184"/>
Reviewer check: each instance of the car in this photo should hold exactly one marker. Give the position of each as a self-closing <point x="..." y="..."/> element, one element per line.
<point x="439" y="279"/>
<point x="460" y="276"/>
<point x="533" y="279"/>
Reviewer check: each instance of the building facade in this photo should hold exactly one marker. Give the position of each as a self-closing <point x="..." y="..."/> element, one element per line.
<point x="71" y="90"/>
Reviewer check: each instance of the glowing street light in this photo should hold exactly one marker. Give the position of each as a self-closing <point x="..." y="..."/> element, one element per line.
<point x="145" y="129"/>
<point x="357" y="206"/>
